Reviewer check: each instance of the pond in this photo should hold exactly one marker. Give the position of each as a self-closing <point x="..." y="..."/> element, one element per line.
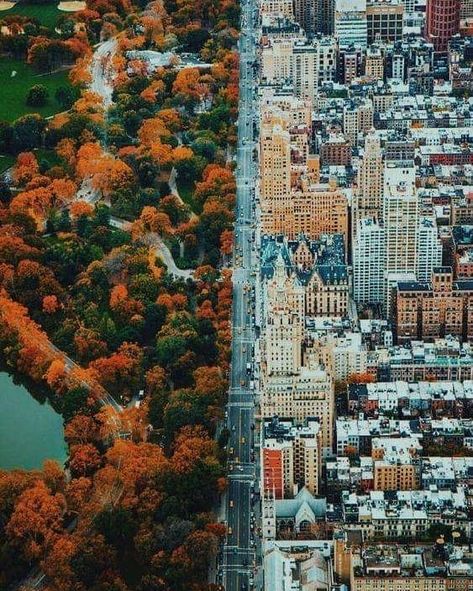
<point x="31" y="431"/>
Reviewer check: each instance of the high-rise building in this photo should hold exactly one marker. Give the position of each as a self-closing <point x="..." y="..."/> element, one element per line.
<point x="350" y="64"/>
<point x="357" y="118"/>
<point x="350" y="25"/>
<point x="308" y="394"/>
<point x="442" y="22"/>
<point x="369" y="193"/>
<point x="305" y="65"/>
<point x="466" y="9"/>
<point x="433" y="309"/>
<point x="400" y="217"/>
<point x="326" y="16"/>
<point x="290" y="456"/>
<point x="384" y="20"/>
<point x="429" y="248"/>
<point x="275" y="158"/>
<point x="369" y="262"/>
<point x="306" y="13"/>
<point x="284" y="322"/>
<point x="311" y="210"/>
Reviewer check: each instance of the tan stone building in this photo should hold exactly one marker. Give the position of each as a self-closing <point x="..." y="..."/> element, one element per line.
<point x="430" y="310"/>
<point x="374" y="66"/>
<point x="308" y="394"/>
<point x="284" y="328"/>
<point x="369" y="191"/>
<point x="311" y="210"/>
<point x="275" y="162"/>
<point x="327" y="293"/>
<point x="311" y="275"/>
<point x="391" y="475"/>
<point x="278" y="7"/>
<point x="357" y="119"/>
<point x="384" y="20"/>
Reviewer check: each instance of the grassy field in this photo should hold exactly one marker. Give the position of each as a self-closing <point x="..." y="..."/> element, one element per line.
<point x="186" y="191"/>
<point x="14" y="90"/>
<point x="46" y="14"/>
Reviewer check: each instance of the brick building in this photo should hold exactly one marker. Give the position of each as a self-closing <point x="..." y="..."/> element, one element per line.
<point x="429" y="310"/>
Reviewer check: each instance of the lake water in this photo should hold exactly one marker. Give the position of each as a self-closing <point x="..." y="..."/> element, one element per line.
<point x="30" y="431"/>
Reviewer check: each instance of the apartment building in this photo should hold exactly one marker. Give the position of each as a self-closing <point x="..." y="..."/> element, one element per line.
<point x="284" y="327"/>
<point x="400" y="217"/>
<point x="369" y="261"/>
<point x="442" y="22"/>
<point x="307" y="394"/>
<point x="341" y="354"/>
<point x="443" y="359"/>
<point x="374" y="67"/>
<point x="318" y="267"/>
<point x="384" y="20"/>
<point x="310" y="210"/>
<point x="370" y="183"/>
<point x="335" y="151"/>
<point x="278" y="7"/>
<point x="290" y="456"/>
<point x="430" y="310"/>
<point x="395" y="473"/>
<point x="357" y="119"/>
<point x="303" y="64"/>
<point x="420" y="567"/>
<point x="350" y="23"/>
<point x="307" y="14"/>
<point x="275" y="183"/>
<point x="409" y="514"/>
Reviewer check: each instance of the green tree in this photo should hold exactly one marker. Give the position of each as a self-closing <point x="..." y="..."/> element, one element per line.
<point x="28" y="132"/>
<point x="37" y="96"/>
<point x="66" y="96"/>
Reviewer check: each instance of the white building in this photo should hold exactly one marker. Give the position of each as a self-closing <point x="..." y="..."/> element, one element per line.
<point x="303" y="64"/>
<point x="342" y="355"/>
<point x="350" y="23"/>
<point x="400" y="216"/>
<point x="429" y="248"/>
<point x="288" y="567"/>
<point x="369" y="262"/>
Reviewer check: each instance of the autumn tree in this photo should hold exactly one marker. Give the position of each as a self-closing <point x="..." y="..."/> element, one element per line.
<point x="36" y="520"/>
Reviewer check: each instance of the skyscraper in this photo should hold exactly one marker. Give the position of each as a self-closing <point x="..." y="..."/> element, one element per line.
<point x="400" y="216"/>
<point x="368" y="202"/>
<point x="442" y="22"/>
<point x="306" y="13"/>
<point x="369" y="262"/>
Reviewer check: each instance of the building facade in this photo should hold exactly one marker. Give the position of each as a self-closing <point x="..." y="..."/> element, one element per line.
<point x="431" y="310"/>
<point x="442" y="22"/>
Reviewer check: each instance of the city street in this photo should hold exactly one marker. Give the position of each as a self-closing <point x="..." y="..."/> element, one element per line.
<point x="239" y="553"/>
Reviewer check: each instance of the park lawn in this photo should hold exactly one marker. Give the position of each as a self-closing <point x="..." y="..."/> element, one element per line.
<point x="186" y="191"/>
<point x="15" y="90"/>
<point x="46" y="14"/>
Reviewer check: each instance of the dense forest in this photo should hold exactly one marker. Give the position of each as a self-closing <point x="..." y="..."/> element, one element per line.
<point x="89" y="309"/>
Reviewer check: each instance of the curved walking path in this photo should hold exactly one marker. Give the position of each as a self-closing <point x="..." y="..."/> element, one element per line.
<point x="172" y="182"/>
<point x="159" y="246"/>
